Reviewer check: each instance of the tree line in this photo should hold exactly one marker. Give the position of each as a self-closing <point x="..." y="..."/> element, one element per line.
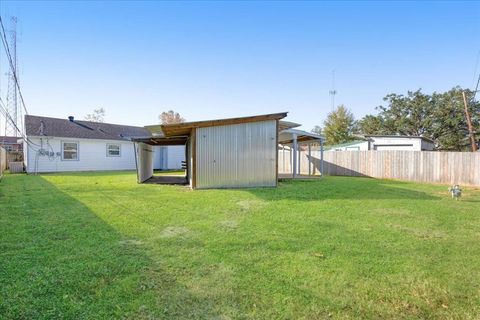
<point x="438" y="116"/>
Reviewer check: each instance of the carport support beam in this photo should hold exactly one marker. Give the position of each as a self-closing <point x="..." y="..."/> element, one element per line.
<point x="321" y="158"/>
<point x="309" y="159"/>
<point x="295" y="147"/>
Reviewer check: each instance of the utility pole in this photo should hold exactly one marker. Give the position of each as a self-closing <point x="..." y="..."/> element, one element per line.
<point x="12" y="93"/>
<point x="469" y="123"/>
<point x="333" y="92"/>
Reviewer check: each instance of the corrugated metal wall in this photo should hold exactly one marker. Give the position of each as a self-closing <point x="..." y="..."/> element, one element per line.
<point x="144" y="161"/>
<point x="240" y="155"/>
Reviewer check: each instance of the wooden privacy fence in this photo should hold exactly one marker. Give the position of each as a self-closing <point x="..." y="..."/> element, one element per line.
<point x="3" y="160"/>
<point x="305" y="164"/>
<point x="423" y="166"/>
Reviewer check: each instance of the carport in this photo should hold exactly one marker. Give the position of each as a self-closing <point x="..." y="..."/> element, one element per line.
<point x="292" y="140"/>
<point x="144" y="159"/>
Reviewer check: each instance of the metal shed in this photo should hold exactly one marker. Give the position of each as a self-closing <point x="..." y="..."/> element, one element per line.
<point x="224" y="153"/>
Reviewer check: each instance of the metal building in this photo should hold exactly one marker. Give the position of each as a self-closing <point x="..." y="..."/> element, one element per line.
<point x="225" y="153"/>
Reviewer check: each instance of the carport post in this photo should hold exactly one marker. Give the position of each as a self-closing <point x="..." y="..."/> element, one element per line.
<point x="309" y="159"/>
<point x="294" y="166"/>
<point x="321" y="158"/>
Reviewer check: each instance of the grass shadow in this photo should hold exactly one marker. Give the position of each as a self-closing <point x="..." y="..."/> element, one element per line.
<point x="60" y="260"/>
<point x="331" y="188"/>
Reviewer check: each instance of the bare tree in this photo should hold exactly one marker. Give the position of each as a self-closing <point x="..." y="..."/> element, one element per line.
<point x="317" y="130"/>
<point x="98" y="115"/>
<point x="168" y="117"/>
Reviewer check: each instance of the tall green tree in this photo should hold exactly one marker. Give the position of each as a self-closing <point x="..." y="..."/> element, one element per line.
<point x="370" y="125"/>
<point x="339" y="126"/>
<point x="407" y="115"/>
<point x="439" y="116"/>
<point x="450" y="129"/>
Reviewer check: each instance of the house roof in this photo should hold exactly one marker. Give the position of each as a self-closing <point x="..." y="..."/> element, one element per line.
<point x="398" y="136"/>
<point x="4" y="140"/>
<point x="54" y="127"/>
<point x="184" y="128"/>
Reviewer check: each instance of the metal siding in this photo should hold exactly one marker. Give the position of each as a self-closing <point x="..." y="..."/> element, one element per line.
<point x="144" y="161"/>
<point x="240" y="155"/>
<point x="175" y="156"/>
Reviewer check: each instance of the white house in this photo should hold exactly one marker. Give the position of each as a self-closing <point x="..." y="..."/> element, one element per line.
<point x="412" y="143"/>
<point x="386" y="142"/>
<point x="57" y="145"/>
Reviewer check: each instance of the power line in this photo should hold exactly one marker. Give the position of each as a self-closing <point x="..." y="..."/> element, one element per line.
<point x="12" y="66"/>
<point x="476" y="88"/>
<point x="7" y="116"/>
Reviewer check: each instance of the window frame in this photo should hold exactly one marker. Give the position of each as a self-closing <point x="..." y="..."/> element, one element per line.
<point x="119" y="150"/>
<point x="63" y="150"/>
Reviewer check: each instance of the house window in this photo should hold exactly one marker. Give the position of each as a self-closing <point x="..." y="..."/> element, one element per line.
<point x="113" y="150"/>
<point x="69" y="150"/>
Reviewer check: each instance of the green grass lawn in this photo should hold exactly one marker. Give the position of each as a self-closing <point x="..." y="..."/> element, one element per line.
<point x="99" y="245"/>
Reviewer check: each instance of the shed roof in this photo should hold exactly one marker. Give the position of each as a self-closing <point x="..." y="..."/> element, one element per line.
<point x="286" y="136"/>
<point x="184" y="128"/>
<point x="54" y="127"/>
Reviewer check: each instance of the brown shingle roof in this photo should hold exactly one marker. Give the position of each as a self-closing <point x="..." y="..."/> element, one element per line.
<point x="54" y="127"/>
<point x="8" y="140"/>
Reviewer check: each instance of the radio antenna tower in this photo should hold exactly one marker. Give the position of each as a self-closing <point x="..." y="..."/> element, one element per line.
<point x="12" y="93"/>
<point x="333" y="92"/>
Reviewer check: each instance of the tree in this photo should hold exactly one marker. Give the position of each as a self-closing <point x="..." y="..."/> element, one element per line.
<point x="439" y="116"/>
<point x="317" y="130"/>
<point x="339" y="126"/>
<point x="450" y="129"/>
<point x="407" y="115"/>
<point x="170" y="116"/>
<point x="98" y="115"/>
<point x="370" y="125"/>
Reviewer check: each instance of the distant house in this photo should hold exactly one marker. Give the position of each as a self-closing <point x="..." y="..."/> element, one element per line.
<point x="386" y="142"/>
<point x="11" y="143"/>
<point x="412" y="143"/>
<point x="57" y="145"/>
<point x="356" y="145"/>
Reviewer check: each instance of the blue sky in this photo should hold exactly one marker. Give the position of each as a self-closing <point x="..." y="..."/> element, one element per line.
<point x="226" y="59"/>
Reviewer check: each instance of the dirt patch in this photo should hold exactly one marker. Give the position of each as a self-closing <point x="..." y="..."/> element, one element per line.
<point x="228" y="225"/>
<point x="250" y="205"/>
<point x="171" y="232"/>
<point x="213" y="282"/>
<point x="420" y="233"/>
